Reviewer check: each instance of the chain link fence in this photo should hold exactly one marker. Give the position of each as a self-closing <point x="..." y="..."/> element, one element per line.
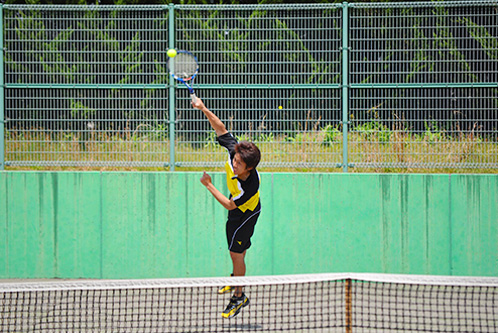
<point x="398" y="85"/>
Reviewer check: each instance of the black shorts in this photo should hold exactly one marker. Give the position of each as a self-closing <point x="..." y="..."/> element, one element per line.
<point x="240" y="227"/>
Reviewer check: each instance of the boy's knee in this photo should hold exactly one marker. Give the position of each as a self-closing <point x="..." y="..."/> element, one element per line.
<point x="237" y="256"/>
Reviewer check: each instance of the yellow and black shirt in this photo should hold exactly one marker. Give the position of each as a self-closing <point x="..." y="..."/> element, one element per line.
<point x="245" y="194"/>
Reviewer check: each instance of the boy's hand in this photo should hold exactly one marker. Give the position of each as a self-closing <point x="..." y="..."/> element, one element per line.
<point x="205" y="179"/>
<point x="199" y="104"/>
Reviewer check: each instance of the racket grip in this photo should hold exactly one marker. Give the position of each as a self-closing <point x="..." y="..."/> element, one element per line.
<point x="194" y="98"/>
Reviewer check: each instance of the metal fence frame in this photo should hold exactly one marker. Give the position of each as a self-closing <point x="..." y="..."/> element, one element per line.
<point x="345" y="87"/>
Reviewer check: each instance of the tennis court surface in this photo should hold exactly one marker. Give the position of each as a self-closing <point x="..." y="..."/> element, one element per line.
<point x="295" y="303"/>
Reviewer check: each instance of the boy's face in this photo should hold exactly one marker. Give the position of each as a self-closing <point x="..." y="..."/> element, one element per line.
<point x="239" y="166"/>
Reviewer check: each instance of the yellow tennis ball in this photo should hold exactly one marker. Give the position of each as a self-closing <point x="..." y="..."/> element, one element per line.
<point x="280" y="107"/>
<point x="171" y="53"/>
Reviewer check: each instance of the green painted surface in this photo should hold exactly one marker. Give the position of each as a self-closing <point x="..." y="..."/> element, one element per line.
<point x="3" y="225"/>
<point x="77" y="224"/>
<point x="474" y="219"/>
<point x="163" y="224"/>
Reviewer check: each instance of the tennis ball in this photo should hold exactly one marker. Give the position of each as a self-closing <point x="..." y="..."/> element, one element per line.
<point x="171" y="53"/>
<point x="280" y="107"/>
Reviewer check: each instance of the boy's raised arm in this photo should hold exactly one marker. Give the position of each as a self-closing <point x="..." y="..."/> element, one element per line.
<point x="215" y="122"/>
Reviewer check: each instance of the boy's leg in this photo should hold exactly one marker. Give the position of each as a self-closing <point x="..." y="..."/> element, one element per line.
<point x="239" y="268"/>
<point x="238" y="300"/>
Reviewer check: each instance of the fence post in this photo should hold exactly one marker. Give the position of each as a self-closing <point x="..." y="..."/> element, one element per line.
<point x="171" y="94"/>
<point x="345" y="85"/>
<point x="2" y="95"/>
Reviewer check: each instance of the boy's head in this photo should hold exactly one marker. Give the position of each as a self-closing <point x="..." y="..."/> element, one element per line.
<point x="249" y="153"/>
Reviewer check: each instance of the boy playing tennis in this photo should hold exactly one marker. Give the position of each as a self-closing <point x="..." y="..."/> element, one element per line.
<point x="243" y="205"/>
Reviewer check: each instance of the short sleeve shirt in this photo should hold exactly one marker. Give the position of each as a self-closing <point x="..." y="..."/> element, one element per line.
<point x="245" y="194"/>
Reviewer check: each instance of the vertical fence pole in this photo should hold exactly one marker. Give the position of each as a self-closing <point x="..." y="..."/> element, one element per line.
<point x="2" y="96"/>
<point x="171" y="94"/>
<point x="345" y="86"/>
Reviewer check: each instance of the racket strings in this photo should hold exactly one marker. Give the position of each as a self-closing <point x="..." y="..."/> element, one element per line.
<point x="185" y="66"/>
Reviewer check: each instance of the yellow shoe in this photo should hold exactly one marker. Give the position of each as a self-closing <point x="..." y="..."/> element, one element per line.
<point x="235" y="305"/>
<point x="225" y="289"/>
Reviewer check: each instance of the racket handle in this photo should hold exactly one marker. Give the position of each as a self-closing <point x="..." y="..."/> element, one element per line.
<point x="194" y="98"/>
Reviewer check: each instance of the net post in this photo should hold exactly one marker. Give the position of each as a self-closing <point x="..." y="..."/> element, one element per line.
<point x="348" y="306"/>
<point x="172" y="94"/>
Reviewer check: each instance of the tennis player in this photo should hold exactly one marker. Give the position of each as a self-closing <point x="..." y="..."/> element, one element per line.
<point x="243" y="205"/>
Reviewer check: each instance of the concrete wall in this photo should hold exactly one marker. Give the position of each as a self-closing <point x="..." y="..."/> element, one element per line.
<point x="152" y="225"/>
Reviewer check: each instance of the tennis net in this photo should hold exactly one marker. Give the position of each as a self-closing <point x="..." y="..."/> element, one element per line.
<point x="318" y="303"/>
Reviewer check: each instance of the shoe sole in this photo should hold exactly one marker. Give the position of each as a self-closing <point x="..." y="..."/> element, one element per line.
<point x="235" y="312"/>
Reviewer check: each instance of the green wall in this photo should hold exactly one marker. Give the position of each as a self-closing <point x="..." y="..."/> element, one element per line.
<point x="166" y="224"/>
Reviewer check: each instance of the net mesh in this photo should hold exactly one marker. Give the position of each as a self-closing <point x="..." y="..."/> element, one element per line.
<point x="183" y="65"/>
<point x="318" y="303"/>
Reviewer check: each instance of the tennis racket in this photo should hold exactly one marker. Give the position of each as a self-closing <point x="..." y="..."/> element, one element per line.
<point x="184" y="68"/>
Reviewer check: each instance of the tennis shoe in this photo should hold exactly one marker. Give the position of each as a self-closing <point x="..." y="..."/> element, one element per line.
<point x="225" y="289"/>
<point x="236" y="304"/>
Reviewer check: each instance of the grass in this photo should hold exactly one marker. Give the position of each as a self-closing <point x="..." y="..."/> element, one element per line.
<point x="372" y="148"/>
